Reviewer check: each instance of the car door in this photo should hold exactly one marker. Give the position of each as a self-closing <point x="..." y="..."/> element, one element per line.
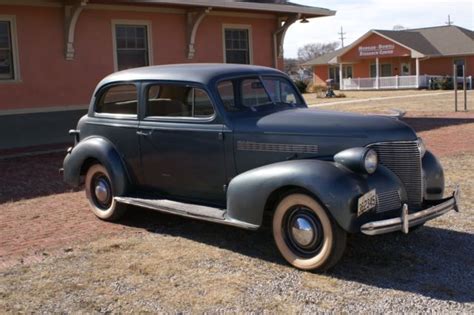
<point x="181" y="143"/>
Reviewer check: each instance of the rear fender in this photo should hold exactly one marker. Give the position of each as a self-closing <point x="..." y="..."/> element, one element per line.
<point x="105" y="153"/>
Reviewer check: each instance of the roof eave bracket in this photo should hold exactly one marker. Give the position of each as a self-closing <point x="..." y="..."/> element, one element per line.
<point x="280" y="33"/>
<point x="194" y="20"/>
<point x="72" y="11"/>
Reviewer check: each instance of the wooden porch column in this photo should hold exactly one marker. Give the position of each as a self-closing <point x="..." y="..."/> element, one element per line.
<point x="377" y="73"/>
<point x="341" y="83"/>
<point x="417" y="72"/>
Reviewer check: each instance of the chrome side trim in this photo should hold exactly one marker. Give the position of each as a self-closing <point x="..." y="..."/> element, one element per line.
<point x="405" y="221"/>
<point x="277" y="147"/>
<point x="187" y="210"/>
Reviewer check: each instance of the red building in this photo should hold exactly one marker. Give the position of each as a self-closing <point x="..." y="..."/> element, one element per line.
<point x="398" y="59"/>
<point x="53" y="52"/>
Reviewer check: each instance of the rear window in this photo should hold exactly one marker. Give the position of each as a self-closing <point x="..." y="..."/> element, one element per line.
<point x="118" y="99"/>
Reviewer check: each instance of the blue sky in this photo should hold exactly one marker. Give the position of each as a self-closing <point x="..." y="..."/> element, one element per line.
<point x="357" y="17"/>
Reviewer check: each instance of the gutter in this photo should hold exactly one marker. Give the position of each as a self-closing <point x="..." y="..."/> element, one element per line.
<point x="266" y="7"/>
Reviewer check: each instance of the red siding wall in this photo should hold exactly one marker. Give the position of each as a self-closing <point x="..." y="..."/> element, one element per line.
<point x="48" y="80"/>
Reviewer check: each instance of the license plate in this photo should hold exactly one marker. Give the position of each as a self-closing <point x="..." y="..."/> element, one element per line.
<point x="367" y="202"/>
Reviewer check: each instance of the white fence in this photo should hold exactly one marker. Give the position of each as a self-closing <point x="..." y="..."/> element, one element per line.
<point x="397" y="82"/>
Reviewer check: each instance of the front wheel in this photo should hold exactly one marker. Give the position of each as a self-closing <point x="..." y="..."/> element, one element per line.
<point x="100" y="194"/>
<point x="306" y="236"/>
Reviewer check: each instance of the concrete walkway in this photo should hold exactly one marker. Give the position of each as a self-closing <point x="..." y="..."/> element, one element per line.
<point x="460" y="95"/>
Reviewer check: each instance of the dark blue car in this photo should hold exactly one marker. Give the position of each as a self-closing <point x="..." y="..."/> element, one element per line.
<point x="230" y="143"/>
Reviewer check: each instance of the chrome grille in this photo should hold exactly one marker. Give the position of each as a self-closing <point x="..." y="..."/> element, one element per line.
<point x="388" y="200"/>
<point x="403" y="159"/>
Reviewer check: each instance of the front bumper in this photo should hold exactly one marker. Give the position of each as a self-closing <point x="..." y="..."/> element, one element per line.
<point x="405" y="221"/>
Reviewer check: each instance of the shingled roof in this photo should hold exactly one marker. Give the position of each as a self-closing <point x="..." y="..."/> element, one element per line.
<point x="431" y="41"/>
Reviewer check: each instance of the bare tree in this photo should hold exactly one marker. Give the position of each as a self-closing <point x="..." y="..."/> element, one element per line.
<point x="291" y="64"/>
<point x="314" y="50"/>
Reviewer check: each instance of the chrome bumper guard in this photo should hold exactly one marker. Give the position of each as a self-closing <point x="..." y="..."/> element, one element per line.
<point x="405" y="221"/>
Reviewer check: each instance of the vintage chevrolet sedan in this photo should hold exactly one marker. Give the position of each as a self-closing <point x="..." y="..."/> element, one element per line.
<point x="235" y="144"/>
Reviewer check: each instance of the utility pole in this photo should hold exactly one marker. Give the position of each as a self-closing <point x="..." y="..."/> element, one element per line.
<point x="449" y="21"/>
<point x="342" y="36"/>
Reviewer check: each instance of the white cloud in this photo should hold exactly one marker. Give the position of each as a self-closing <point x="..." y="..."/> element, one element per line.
<point x="358" y="17"/>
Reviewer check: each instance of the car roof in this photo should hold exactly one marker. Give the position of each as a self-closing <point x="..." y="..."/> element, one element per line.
<point x="199" y="73"/>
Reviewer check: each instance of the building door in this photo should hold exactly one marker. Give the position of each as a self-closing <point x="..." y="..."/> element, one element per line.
<point x="405" y="68"/>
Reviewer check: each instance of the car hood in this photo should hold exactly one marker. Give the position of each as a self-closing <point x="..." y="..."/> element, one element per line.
<point x="363" y="129"/>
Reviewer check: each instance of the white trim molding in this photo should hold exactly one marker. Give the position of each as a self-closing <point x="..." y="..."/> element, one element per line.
<point x="14" y="46"/>
<point x="246" y="27"/>
<point x="149" y="35"/>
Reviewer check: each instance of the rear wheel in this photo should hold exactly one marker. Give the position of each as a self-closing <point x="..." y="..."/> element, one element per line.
<point x="306" y="236"/>
<point x="99" y="192"/>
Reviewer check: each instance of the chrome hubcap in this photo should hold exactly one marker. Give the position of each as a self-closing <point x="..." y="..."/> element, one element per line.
<point x="303" y="232"/>
<point x="101" y="191"/>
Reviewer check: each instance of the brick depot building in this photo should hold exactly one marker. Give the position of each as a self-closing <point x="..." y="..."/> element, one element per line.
<point x="398" y="59"/>
<point x="54" y="52"/>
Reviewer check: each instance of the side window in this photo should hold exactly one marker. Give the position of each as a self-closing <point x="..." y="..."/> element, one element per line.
<point x="253" y="93"/>
<point x="280" y="90"/>
<point x="118" y="99"/>
<point x="227" y="94"/>
<point x="169" y="100"/>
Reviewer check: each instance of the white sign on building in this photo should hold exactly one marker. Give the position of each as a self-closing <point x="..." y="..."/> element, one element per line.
<point x="376" y="50"/>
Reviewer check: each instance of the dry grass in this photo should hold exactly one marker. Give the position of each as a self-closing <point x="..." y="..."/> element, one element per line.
<point x="185" y="265"/>
<point x="373" y="102"/>
<point x="313" y="99"/>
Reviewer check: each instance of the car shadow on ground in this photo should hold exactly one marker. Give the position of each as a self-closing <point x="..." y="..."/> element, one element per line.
<point x="433" y="262"/>
<point x="431" y="123"/>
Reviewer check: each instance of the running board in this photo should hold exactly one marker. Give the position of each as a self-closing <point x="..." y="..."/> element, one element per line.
<point x="187" y="210"/>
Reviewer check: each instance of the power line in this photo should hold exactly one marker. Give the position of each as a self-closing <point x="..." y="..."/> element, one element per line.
<point x="342" y="36"/>
<point x="449" y="22"/>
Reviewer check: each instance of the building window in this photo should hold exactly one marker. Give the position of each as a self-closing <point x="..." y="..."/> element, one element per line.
<point x="132" y="46"/>
<point x="385" y="70"/>
<point x="459" y="67"/>
<point x="334" y="73"/>
<point x="237" y="45"/>
<point x="347" y="72"/>
<point x="7" y="51"/>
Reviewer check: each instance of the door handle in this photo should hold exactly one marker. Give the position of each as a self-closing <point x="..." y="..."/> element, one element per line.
<point x="144" y="133"/>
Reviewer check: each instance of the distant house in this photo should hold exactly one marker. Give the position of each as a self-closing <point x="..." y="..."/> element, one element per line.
<point x="398" y="59"/>
<point x="54" y="52"/>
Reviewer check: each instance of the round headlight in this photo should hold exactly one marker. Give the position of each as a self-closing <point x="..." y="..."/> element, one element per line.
<point x="421" y="147"/>
<point x="371" y="161"/>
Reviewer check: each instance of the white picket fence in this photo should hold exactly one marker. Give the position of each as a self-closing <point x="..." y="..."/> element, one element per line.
<point x="396" y="82"/>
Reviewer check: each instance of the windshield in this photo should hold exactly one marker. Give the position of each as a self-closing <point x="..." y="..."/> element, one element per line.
<point x="256" y="93"/>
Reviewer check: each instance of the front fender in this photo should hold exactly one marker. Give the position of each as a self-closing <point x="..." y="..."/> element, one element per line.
<point x="105" y="153"/>
<point x="335" y="186"/>
<point x="433" y="176"/>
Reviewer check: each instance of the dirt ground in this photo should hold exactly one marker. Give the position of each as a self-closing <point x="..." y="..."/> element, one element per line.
<point x="55" y="256"/>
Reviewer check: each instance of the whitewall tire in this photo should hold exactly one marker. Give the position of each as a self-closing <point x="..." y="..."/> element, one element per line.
<point x="100" y="193"/>
<point x="306" y="236"/>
